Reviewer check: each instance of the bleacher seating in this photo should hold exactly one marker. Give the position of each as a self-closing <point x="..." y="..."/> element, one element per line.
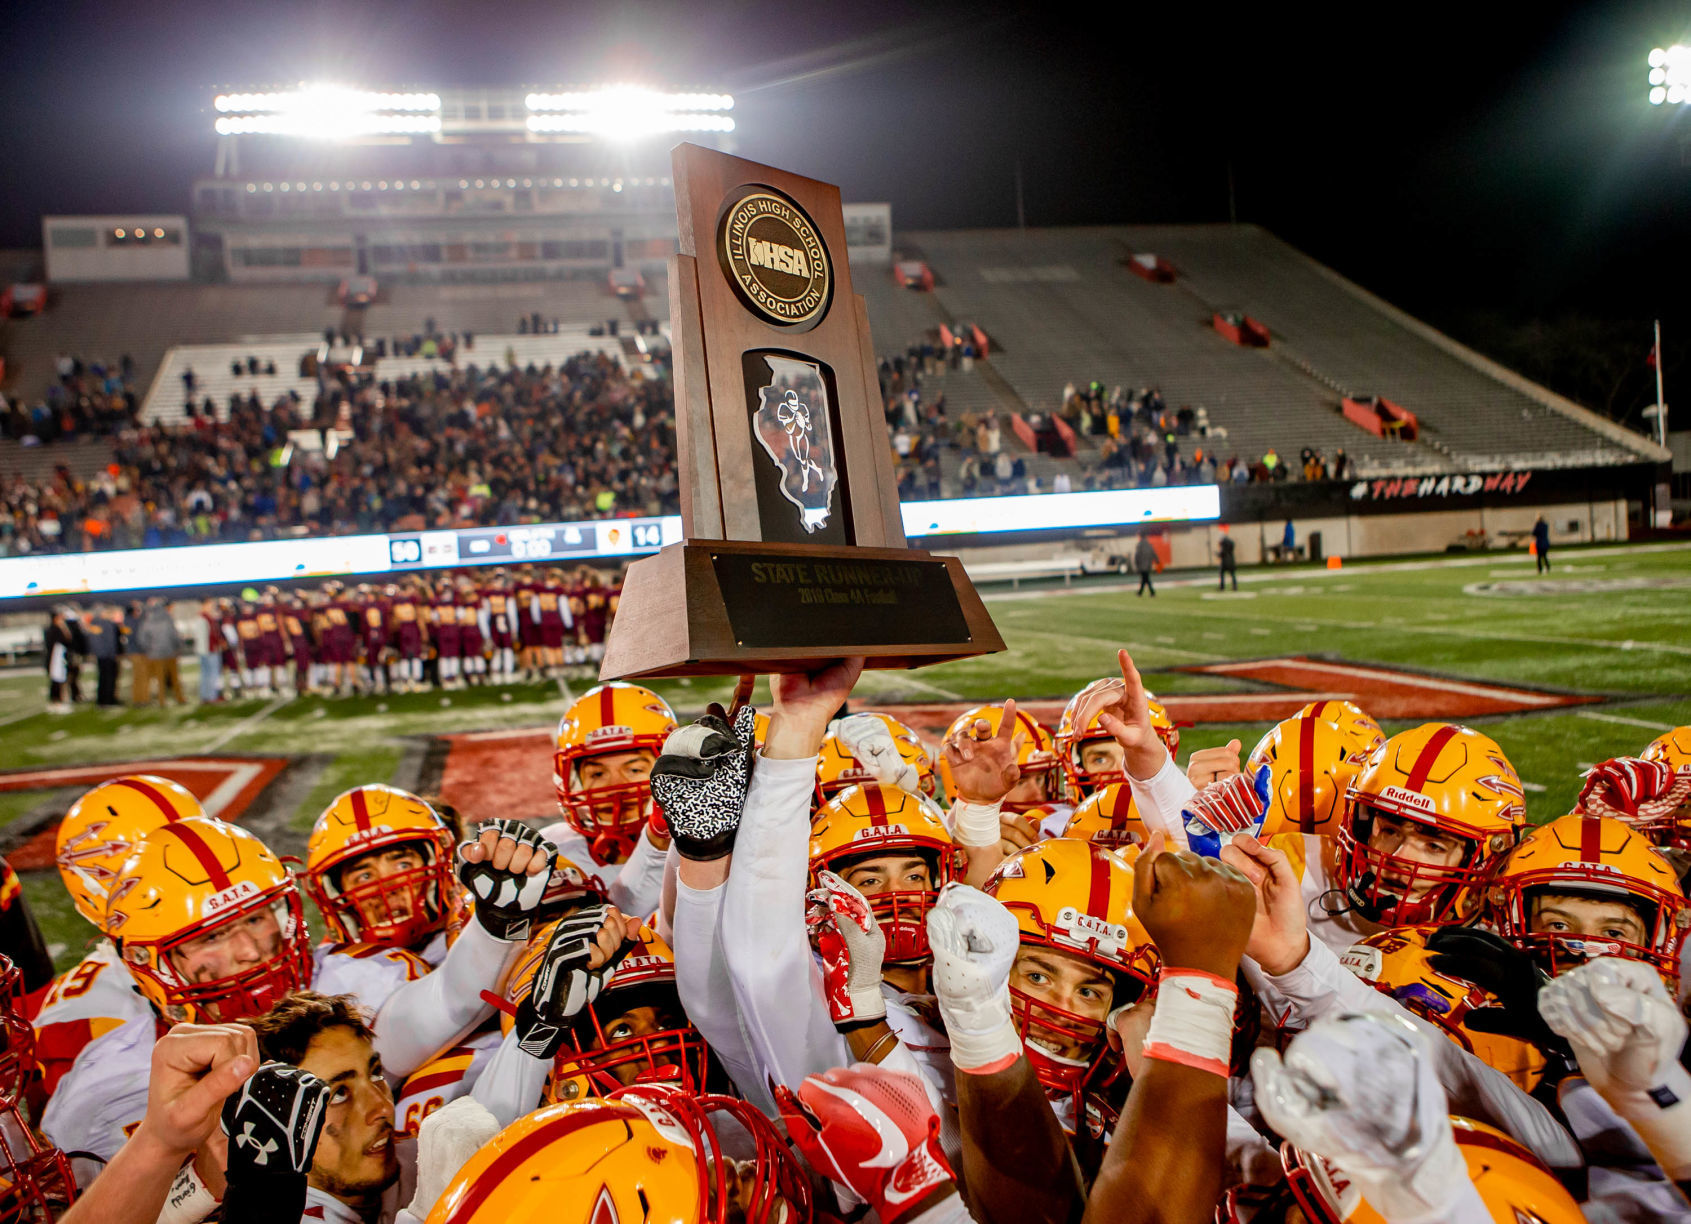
<point x="1065" y="308"/>
<point x="213" y="377"/>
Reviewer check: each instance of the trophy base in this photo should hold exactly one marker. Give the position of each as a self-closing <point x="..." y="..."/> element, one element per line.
<point x="730" y="607"/>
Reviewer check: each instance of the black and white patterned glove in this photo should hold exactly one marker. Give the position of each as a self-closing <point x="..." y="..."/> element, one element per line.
<point x="507" y="903"/>
<point x="700" y="782"/>
<point x="273" y="1121"/>
<point x="564" y="984"/>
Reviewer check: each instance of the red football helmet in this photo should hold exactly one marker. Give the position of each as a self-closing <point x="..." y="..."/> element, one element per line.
<point x="35" y="1179"/>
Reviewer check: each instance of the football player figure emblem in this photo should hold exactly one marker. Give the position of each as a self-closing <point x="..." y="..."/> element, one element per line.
<point x="792" y="426"/>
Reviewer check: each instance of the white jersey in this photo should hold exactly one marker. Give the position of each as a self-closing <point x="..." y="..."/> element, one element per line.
<point x="370" y="973"/>
<point x="102" y="1097"/>
<point x="82" y="1005"/>
<point x="634" y="886"/>
<point x="447" y="1076"/>
<point x="1622" y="1175"/>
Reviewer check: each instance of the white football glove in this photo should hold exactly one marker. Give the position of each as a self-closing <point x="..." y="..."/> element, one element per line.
<point x="852" y="947"/>
<point x="867" y="738"/>
<point x="1360" y="1091"/>
<point x="974" y="941"/>
<point x="446" y="1140"/>
<point x="1627" y="1034"/>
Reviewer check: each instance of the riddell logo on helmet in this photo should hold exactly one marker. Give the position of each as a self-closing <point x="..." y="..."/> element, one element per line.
<point x="1408" y="798"/>
<point x="218" y="902"/>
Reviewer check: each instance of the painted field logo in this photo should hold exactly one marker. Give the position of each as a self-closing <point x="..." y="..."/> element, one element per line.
<point x="775" y="259"/>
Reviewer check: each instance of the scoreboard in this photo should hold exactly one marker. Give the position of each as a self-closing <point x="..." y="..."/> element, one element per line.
<point x="539" y="542"/>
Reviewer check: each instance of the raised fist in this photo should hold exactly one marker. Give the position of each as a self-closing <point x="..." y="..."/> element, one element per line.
<point x="974" y="940"/>
<point x="1198" y="911"/>
<point x="852" y="947"/>
<point x="273" y="1121"/>
<point x="1633" y="790"/>
<point x="506" y="869"/>
<point x="1360" y="1091"/>
<point x="580" y="957"/>
<point x="700" y="782"/>
<point x="1617" y="1015"/>
<point x="872" y="1131"/>
<point x="866" y="738"/>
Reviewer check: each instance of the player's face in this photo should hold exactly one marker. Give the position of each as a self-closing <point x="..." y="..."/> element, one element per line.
<point x="1418" y="843"/>
<point x="633" y="1023"/>
<point x="886" y="873"/>
<point x="615" y="769"/>
<point x="1569" y="914"/>
<point x="249" y="940"/>
<point x="1064" y="981"/>
<point x="355" y="1156"/>
<point x="742" y="1193"/>
<point x="379" y="907"/>
<point x="1101" y="756"/>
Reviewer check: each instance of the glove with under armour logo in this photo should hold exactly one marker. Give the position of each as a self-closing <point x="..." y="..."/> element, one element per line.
<point x="507" y="888"/>
<point x="568" y="978"/>
<point x="273" y="1122"/>
<point x="700" y="782"/>
<point x="873" y="1131"/>
<point x="852" y="947"/>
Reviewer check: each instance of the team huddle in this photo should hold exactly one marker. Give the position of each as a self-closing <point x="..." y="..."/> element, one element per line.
<point x="778" y="966"/>
<point x="449" y="632"/>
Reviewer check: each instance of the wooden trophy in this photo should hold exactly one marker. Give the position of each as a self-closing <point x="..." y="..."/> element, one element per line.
<point x="794" y="552"/>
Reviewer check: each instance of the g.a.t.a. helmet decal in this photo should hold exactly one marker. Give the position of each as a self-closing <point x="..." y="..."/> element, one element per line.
<point x="793" y="427"/>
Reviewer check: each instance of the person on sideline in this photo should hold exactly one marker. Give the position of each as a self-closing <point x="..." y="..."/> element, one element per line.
<point x="1145" y="560"/>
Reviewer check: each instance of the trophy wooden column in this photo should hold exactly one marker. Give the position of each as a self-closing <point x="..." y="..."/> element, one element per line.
<point x="795" y="550"/>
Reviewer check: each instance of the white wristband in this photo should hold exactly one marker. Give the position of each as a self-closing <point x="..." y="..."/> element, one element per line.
<point x="975" y="824"/>
<point x="1193" y="1022"/>
<point x="190" y="1199"/>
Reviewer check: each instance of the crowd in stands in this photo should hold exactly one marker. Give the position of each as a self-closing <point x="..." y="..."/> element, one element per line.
<point x="86" y="397"/>
<point x="454" y="447"/>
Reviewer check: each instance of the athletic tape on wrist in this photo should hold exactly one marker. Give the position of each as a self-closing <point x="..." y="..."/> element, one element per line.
<point x="189" y="1199"/>
<point x="1193" y="1023"/>
<point x="975" y="824"/>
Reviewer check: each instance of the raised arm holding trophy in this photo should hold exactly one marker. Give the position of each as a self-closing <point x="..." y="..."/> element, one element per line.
<point x="794" y="551"/>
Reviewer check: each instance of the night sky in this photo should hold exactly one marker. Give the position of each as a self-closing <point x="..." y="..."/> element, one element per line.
<point x="1452" y="166"/>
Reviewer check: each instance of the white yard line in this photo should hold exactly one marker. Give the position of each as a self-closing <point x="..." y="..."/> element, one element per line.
<point x="924" y="686"/>
<point x="1453" y="631"/>
<point x="21" y="715"/>
<point x="246" y="724"/>
<point x="1133" y="647"/>
<point x="1625" y="721"/>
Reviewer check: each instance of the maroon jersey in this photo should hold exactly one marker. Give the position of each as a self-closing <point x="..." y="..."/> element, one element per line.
<point x="595" y="611"/>
<point x="469" y="623"/>
<point x="501" y="615"/>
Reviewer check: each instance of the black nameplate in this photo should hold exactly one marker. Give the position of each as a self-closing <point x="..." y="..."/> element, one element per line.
<point x="839" y="604"/>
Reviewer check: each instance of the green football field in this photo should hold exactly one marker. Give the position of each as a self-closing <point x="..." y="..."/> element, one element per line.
<point x="1612" y="623"/>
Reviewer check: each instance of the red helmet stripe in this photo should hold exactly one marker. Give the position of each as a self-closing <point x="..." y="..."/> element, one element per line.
<point x="1306" y="774"/>
<point x="165" y="807"/>
<point x="607" y="706"/>
<point x="877" y="806"/>
<point x="1098" y="894"/>
<point x="1429" y="754"/>
<point x="360" y="809"/>
<point x="1591" y="840"/>
<point x="512" y="1158"/>
<point x="197" y="846"/>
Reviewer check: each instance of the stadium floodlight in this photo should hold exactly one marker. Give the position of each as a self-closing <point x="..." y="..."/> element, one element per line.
<point x="628" y="98"/>
<point x="327" y="112"/>
<point x="1670" y="75"/>
<point x="630" y="124"/>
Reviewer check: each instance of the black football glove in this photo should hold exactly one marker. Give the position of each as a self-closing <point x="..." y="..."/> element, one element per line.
<point x="273" y="1121"/>
<point x="1494" y="964"/>
<point x="507" y="903"/>
<point x="563" y="984"/>
<point x="700" y="782"/>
